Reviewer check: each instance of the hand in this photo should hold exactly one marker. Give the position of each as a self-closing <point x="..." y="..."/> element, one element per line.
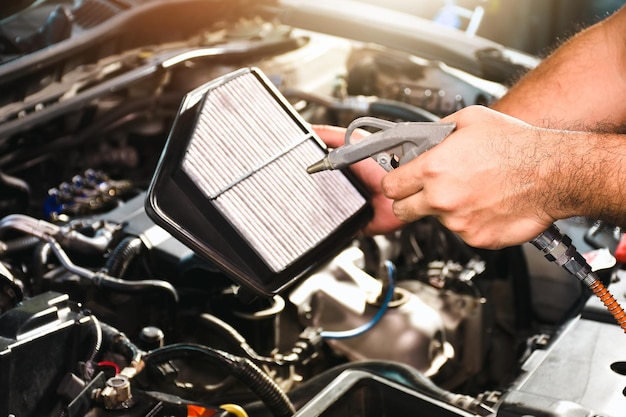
<point x="484" y="181"/>
<point x="370" y="174"/>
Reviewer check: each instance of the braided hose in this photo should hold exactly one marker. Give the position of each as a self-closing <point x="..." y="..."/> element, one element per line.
<point x="558" y="248"/>
<point x="610" y="303"/>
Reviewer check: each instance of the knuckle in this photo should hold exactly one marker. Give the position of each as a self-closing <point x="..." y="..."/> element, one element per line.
<point x="458" y="225"/>
<point x="389" y="186"/>
<point x="430" y="167"/>
<point x="400" y="211"/>
<point x="476" y="241"/>
<point x="434" y="164"/>
<point x="441" y="202"/>
<point x="474" y="110"/>
<point x="471" y="114"/>
<point x="471" y="234"/>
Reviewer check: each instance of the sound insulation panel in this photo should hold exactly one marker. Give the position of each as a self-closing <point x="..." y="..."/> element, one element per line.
<point x="232" y="184"/>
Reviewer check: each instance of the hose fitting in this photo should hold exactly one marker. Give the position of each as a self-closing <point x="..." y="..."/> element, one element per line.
<point x="558" y="248"/>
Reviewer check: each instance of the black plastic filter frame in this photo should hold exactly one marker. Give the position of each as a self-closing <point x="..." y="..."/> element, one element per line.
<point x="251" y="210"/>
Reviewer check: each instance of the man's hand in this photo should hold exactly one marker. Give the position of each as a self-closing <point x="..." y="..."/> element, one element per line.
<point x="498" y="181"/>
<point x="370" y="174"/>
<point x="485" y="181"/>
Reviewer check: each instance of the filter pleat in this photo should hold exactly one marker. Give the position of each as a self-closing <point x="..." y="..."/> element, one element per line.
<point x="248" y="156"/>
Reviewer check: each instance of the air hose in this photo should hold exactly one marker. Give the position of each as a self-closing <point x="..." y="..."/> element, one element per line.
<point x="558" y="248"/>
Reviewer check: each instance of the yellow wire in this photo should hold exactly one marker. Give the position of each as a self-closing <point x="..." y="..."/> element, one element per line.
<point x="235" y="409"/>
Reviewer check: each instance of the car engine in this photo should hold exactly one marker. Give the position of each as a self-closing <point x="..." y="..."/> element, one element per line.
<point x="107" y="311"/>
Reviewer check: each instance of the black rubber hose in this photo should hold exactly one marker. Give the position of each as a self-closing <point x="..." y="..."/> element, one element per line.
<point x="140" y="286"/>
<point x="243" y="369"/>
<point x="121" y="257"/>
<point x="100" y="279"/>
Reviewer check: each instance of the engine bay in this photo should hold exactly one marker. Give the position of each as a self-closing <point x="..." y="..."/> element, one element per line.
<point x="105" y="312"/>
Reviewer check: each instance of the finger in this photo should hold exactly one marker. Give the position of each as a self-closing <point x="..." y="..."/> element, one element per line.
<point x="384" y="221"/>
<point x="333" y="136"/>
<point x="403" y="181"/>
<point x="412" y="208"/>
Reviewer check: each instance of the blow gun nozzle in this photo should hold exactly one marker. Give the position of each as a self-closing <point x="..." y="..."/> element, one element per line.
<point x="321" y="165"/>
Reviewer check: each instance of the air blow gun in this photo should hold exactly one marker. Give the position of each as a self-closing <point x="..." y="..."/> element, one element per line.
<point x="395" y="144"/>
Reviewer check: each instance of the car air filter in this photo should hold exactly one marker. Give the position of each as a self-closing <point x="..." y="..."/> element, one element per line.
<point x="232" y="185"/>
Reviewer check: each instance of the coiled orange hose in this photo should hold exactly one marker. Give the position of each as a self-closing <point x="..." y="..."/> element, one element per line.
<point x="610" y="302"/>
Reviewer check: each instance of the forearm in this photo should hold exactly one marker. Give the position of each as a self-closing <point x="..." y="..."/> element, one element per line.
<point x="580" y="86"/>
<point x="588" y="173"/>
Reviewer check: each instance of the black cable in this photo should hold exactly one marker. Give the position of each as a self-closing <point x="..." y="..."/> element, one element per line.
<point x="237" y="339"/>
<point x="89" y="370"/>
<point x="118" y="342"/>
<point x="304" y="348"/>
<point x="243" y="369"/>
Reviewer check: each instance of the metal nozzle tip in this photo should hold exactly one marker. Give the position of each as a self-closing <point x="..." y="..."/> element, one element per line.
<point x="321" y="165"/>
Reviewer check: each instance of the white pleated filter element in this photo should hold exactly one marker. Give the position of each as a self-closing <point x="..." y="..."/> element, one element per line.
<point x="248" y="155"/>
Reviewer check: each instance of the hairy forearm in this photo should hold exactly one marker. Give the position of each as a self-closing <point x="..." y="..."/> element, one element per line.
<point x="584" y="175"/>
<point x="580" y="85"/>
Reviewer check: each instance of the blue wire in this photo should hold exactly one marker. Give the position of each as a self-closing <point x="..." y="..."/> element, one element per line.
<point x="345" y="334"/>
